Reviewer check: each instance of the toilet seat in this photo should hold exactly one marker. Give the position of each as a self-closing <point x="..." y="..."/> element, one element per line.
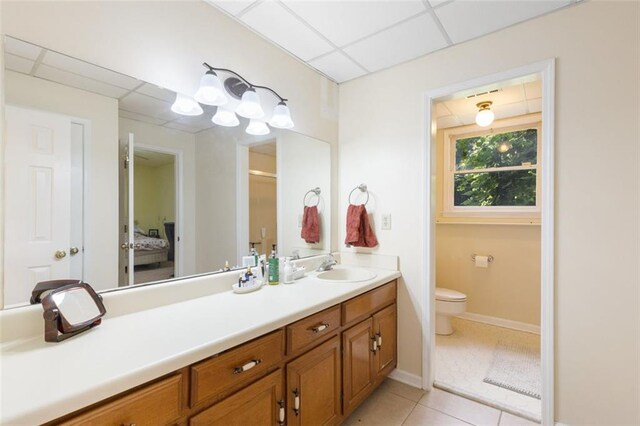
<point x="448" y="295"/>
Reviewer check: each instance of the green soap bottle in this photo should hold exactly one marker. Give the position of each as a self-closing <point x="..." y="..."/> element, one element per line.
<point x="274" y="267"/>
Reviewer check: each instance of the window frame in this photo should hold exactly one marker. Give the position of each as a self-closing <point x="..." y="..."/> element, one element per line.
<point x="499" y="126"/>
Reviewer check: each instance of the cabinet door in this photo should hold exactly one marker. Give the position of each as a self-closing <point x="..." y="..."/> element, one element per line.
<point x="384" y="328"/>
<point x="259" y="404"/>
<point x="313" y="386"/>
<point x="357" y="364"/>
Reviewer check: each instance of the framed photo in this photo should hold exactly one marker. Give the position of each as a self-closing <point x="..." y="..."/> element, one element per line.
<point x="154" y="233"/>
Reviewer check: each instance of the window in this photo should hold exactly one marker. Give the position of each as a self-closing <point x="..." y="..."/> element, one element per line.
<point x="494" y="172"/>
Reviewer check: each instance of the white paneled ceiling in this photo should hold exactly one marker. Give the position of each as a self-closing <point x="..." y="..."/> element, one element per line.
<point x="509" y="99"/>
<point x="348" y="39"/>
<point x="137" y="100"/>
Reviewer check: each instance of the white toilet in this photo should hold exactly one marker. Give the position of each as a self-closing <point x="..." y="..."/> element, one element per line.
<point x="449" y="303"/>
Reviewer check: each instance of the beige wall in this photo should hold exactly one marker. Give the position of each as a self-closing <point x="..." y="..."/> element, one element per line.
<point x="101" y="156"/>
<point x="155" y="196"/>
<point x="596" y="212"/>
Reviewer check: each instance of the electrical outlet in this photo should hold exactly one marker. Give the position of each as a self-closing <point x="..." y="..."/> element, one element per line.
<point x="386" y="221"/>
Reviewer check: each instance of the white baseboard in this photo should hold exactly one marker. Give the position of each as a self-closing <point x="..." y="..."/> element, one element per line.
<point x="501" y="322"/>
<point x="406" y="378"/>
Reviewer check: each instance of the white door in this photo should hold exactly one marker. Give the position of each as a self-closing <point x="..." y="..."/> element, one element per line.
<point x="37" y="201"/>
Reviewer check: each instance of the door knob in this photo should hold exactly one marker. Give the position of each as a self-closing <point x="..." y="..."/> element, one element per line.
<point x="74" y="250"/>
<point x="60" y="254"/>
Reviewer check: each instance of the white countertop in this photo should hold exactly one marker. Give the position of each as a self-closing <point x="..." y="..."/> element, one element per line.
<point x="43" y="381"/>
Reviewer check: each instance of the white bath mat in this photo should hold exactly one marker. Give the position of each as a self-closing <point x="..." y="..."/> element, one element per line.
<point x="516" y="367"/>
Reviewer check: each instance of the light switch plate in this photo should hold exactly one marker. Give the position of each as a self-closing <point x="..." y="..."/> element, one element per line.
<point x="386" y="221"/>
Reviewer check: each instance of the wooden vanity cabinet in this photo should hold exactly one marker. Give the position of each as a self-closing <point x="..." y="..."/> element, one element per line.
<point x="314" y="371"/>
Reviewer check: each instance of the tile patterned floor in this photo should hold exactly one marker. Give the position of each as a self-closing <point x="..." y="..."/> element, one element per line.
<point x="395" y="404"/>
<point x="463" y="359"/>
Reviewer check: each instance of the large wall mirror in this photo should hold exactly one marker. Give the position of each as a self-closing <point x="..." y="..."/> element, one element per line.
<point x="104" y="183"/>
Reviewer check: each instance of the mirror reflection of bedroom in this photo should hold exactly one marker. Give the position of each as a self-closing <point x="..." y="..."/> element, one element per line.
<point x="154" y="196"/>
<point x="262" y="197"/>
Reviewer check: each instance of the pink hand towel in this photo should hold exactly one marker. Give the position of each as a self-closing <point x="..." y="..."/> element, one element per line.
<point x="310" y="225"/>
<point x="359" y="232"/>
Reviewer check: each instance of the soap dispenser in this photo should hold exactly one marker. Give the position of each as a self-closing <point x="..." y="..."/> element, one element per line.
<point x="274" y="267"/>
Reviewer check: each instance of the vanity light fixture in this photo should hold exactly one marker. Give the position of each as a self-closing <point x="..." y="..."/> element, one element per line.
<point x="185" y="105"/>
<point x="485" y="116"/>
<point x="257" y="128"/>
<point x="225" y="117"/>
<point x="210" y="91"/>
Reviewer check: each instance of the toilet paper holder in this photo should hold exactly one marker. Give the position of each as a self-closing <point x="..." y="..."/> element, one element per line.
<point x="489" y="258"/>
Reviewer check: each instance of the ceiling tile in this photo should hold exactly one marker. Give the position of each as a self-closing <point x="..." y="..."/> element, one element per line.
<point x="157" y="92"/>
<point x="18" y="63"/>
<point x="442" y="110"/>
<point x="274" y="22"/>
<point x="338" y="67"/>
<point x="436" y="3"/>
<point x="78" y="81"/>
<point x="86" y="69"/>
<point x="409" y="40"/>
<point x="510" y="110"/>
<point x="344" y="22"/>
<point x="534" y="105"/>
<point x="533" y="90"/>
<point x="140" y="117"/>
<point x="21" y="48"/>
<point x="448" y="121"/>
<point x="147" y="105"/>
<point x="183" y="127"/>
<point x="464" y="20"/>
<point x="232" y="7"/>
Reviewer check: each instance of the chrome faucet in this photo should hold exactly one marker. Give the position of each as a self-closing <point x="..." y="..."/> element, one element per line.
<point x="327" y="265"/>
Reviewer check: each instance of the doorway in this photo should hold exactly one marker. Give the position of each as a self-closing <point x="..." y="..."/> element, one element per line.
<point x="263" y="176"/>
<point x="478" y="87"/>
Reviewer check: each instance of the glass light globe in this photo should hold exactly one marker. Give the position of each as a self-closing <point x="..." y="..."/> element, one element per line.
<point x="184" y="105"/>
<point x="281" y="118"/>
<point x="210" y="91"/>
<point x="485" y="117"/>
<point x="225" y="117"/>
<point x="250" y="105"/>
<point x="257" y="128"/>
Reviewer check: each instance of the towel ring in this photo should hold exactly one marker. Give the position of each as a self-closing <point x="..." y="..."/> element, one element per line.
<point x="315" y="191"/>
<point x="363" y="188"/>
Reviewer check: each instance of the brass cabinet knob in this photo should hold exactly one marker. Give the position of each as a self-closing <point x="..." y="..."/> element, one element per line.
<point x="60" y="254"/>
<point x="124" y="246"/>
<point x="74" y="250"/>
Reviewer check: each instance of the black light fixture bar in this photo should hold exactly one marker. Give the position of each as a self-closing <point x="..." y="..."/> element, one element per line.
<point x="245" y="80"/>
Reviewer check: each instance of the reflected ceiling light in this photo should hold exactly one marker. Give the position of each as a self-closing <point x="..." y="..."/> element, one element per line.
<point x="250" y="105"/>
<point x="210" y="91"/>
<point x="504" y="147"/>
<point x="485" y="116"/>
<point x="281" y="118"/>
<point x="184" y="105"/>
<point x="257" y="128"/>
<point x="225" y="117"/>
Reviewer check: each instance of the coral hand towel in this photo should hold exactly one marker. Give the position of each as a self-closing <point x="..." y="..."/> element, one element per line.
<point x="359" y="232"/>
<point x="310" y="225"/>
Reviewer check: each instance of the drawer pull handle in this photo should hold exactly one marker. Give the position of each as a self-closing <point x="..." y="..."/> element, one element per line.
<point x="281" y="413"/>
<point x="247" y="366"/>
<point x="374" y="347"/>
<point x="319" y="328"/>
<point x="296" y="402"/>
<point x="379" y="340"/>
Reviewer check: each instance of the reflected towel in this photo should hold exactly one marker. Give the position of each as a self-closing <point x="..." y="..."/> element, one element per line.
<point x="310" y="225"/>
<point x="359" y="232"/>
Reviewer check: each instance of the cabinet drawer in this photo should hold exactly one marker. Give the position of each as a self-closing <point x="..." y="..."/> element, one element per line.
<point x="212" y="377"/>
<point x="364" y="305"/>
<point x="312" y="328"/>
<point x="156" y="404"/>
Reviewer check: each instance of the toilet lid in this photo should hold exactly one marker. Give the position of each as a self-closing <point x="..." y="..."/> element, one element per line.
<point x="449" y="295"/>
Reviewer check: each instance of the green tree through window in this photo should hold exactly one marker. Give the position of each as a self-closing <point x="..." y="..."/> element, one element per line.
<point x="496" y="169"/>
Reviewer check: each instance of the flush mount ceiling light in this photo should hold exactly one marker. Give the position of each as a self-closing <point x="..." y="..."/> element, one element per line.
<point x="485" y="116"/>
<point x="184" y="105"/>
<point x="212" y="91"/>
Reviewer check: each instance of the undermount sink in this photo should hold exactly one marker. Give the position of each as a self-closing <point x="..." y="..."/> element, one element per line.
<point x="350" y="275"/>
